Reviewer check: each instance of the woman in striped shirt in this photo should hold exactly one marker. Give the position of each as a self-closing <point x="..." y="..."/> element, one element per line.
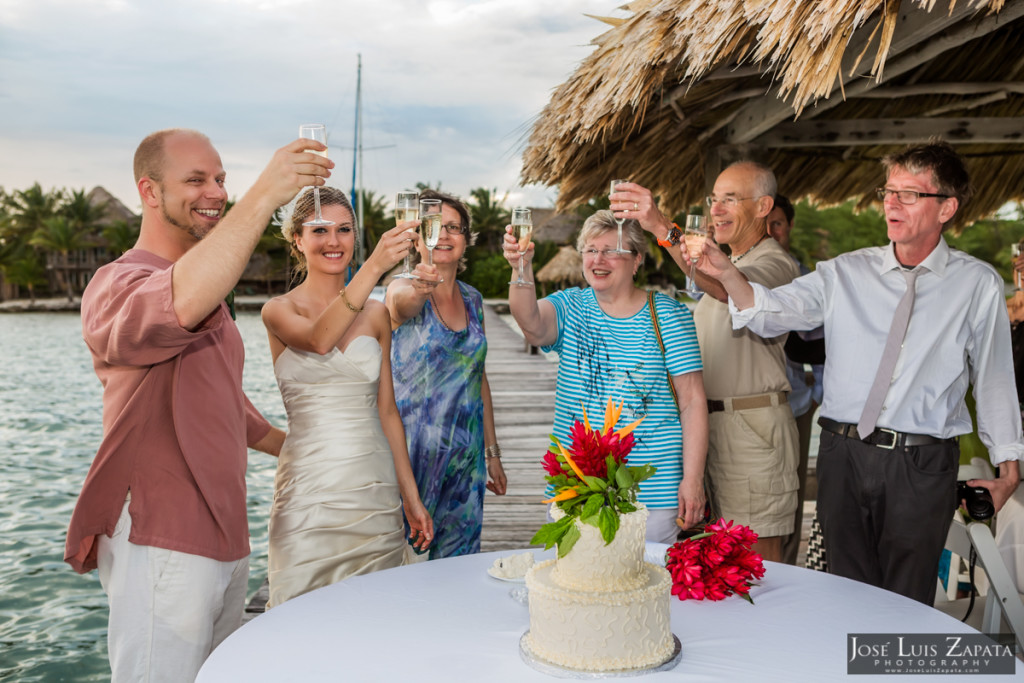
<point x="608" y="348"/>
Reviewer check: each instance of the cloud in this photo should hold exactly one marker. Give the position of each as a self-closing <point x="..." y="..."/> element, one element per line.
<point x="449" y="86"/>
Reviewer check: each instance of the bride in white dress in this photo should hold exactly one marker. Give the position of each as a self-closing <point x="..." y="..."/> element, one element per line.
<point x="343" y="477"/>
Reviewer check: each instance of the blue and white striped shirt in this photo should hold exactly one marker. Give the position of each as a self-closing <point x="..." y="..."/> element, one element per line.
<point x="602" y="357"/>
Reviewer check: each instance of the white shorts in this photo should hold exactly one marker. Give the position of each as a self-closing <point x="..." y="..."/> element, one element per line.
<point x="168" y="609"/>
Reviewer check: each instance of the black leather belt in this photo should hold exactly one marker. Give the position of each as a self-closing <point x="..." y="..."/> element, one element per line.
<point x="883" y="438"/>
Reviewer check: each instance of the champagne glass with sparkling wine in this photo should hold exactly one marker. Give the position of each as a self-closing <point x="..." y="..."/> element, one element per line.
<point x="316" y="131"/>
<point x="620" y="221"/>
<point x="407" y="208"/>
<point x="430" y="225"/>
<point x="522" y="230"/>
<point x="694" y="236"/>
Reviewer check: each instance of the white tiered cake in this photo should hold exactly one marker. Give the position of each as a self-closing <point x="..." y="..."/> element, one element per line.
<point x="601" y="608"/>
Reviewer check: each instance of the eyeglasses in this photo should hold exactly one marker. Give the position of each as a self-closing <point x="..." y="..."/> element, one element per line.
<point x="906" y="196"/>
<point x="727" y="202"/>
<point x="455" y="228"/>
<point x="608" y="254"/>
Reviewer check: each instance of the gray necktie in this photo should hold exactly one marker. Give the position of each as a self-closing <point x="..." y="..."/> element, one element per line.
<point x="900" y="320"/>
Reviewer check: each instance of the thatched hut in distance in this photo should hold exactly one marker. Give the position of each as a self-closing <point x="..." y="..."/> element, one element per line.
<point x="551" y="226"/>
<point x="818" y="89"/>
<point x="564" y="270"/>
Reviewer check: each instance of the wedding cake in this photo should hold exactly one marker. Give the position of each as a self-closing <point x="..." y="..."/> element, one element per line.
<point x="600" y="608"/>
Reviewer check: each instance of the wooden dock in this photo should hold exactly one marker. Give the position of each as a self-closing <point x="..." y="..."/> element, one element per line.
<point x="523" y="391"/>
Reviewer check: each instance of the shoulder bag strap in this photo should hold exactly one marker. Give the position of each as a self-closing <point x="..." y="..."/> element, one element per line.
<point x="661" y="345"/>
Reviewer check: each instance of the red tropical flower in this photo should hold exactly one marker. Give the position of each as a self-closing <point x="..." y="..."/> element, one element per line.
<point x="715" y="564"/>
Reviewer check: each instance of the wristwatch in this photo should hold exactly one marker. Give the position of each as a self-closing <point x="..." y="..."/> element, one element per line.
<point x="674" y="235"/>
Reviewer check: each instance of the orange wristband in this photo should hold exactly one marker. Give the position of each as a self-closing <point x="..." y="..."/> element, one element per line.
<point x="673" y="237"/>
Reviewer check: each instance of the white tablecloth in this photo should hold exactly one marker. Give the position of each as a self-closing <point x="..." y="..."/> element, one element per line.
<point x="447" y="620"/>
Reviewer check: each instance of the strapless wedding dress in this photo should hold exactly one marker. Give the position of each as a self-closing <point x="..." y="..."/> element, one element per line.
<point x="337" y="511"/>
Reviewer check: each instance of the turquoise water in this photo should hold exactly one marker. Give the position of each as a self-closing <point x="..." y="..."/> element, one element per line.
<point x="52" y="620"/>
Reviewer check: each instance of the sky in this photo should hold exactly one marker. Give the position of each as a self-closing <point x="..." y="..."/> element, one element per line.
<point x="450" y="88"/>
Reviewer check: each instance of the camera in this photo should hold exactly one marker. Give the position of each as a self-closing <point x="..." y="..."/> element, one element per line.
<point x="978" y="501"/>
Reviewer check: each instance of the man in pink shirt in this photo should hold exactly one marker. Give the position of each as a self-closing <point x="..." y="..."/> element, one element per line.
<point x="162" y="513"/>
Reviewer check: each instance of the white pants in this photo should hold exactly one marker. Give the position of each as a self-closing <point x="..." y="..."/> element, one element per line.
<point x="168" y="609"/>
<point x="661" y="525"/>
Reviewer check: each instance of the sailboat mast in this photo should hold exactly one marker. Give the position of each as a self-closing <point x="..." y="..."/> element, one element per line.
<point x="357" y="165"/>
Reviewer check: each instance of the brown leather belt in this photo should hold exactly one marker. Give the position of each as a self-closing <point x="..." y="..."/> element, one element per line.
<point x="747" y="402"/>
<point x="883" y="438"/>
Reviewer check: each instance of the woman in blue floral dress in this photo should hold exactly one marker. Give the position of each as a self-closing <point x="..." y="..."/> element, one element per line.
<point x="437" y="360"/>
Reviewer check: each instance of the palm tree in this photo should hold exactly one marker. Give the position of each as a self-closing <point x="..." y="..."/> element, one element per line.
<point x="60" y="235"/>
<point x="489" y="215"/>
<point x="28" y="209"/>
<point x="375" y="217"/>
<point x="121" y="236"/>
<point x="25" y="271"/>
<point x="83" y="214"/>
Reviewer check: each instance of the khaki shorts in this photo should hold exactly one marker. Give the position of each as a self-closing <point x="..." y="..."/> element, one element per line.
<point x="752" y="463"/>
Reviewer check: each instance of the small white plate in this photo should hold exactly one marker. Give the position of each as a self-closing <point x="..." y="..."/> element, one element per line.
<point x="506" y="579"/>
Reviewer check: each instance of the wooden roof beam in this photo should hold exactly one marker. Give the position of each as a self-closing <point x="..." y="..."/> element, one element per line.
<point x="913" y="29"/>
<point x="894" y="91"/>
<point x="862" y="132"/>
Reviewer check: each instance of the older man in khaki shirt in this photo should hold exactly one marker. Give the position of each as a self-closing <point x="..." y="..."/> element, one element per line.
<point x="753" y="443"/>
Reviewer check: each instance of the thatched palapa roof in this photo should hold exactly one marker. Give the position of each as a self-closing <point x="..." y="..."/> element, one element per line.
<point x="564" y="270"/>
<point x="818" y="89"/>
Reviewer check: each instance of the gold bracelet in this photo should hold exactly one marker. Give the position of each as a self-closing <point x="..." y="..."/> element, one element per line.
<point x="493" y="452"/>
<point x="350" y="306"/>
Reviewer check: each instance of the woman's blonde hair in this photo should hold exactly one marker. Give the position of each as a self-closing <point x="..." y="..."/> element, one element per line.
<point x="601" y="222"/>
<point x="302" y="209"/>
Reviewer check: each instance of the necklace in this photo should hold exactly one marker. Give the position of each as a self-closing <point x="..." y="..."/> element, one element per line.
<point x="737" y="258"/>
<point x="437" y="310"/>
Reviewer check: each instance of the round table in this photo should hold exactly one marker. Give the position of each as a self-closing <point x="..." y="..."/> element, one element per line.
<point x="448" y="620"/>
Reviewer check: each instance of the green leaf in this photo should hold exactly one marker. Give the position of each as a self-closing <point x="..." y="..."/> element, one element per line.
<point x="571" y="503"/>
<point x="595" y="483"/>
<point x="608" y="523"/>
<point x="612" y="467"/>
<point x="549" y="534"/>
<point x="624" y="477"/>
<point x="642" y="473"/>
<point x="592" y="506"/>
<point x="568" y="541"/>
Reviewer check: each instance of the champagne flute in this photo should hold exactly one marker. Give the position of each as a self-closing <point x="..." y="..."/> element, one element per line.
<point x="522" y="230"/>
<point x="316" y="131"/>
<point x="620" y="221"/>
<point x="694" y="235"/>
<point x="1015" y="252"/>
<point x="407" y="208"/>
<point x="430" y="225"/>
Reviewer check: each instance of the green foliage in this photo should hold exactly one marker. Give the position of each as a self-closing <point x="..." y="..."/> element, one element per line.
<point x="489" y="273"/>
<point x="378" y="218"/>
<point x="121" y="236"/>
<point x="489" y="217"/>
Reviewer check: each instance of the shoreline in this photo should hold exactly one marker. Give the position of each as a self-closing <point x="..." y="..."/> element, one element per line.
<point x="242" y="303"/>
<point x="62" y="305"/>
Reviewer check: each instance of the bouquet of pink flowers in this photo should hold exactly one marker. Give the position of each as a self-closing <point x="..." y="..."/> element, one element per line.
<point x="715" y="564"/>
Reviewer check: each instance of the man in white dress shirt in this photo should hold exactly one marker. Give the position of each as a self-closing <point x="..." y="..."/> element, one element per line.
<point x="885" y="499"/>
